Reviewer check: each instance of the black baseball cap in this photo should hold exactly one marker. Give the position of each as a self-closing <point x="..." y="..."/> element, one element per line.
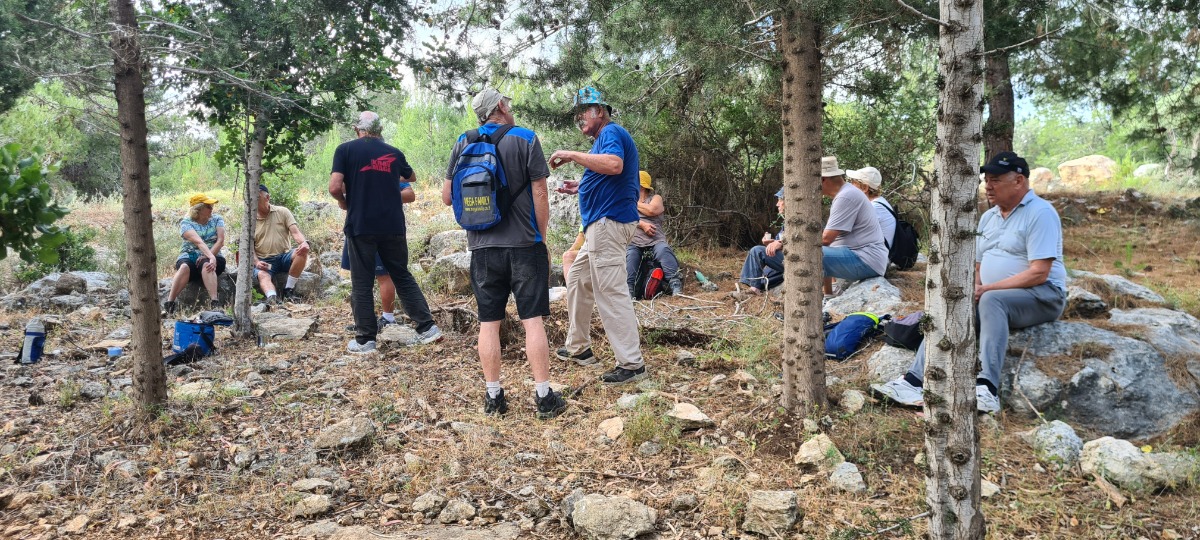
<point x="263" y="188"/>
<point x="1006" y="162"/>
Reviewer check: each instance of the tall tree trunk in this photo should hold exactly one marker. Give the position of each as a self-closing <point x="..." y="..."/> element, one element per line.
<point x="998" y="131"/>
<point x="243" y="324"/>
<point x="803" y="350"/>
<point x="141" y="266"/>
<point x="951" y="435"/>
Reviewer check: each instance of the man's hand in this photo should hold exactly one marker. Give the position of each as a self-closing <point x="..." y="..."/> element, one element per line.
<point x="570" y="187"/>
<point x="979" y="290"/>
<point x="561" y="157"/>
<point x="774" y="248"/>
<point x="262" y="265"/>
<point x="342" y="204"/>
<point x="302" y="248"/>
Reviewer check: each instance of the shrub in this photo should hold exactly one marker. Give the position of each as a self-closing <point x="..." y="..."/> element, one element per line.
<point x="73" y="254"/>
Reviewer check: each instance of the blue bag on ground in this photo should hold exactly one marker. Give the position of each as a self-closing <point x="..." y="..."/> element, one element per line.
<point x="846" y="337"/>
<point x="189" y="333"/>
<point x="478" y="189"/>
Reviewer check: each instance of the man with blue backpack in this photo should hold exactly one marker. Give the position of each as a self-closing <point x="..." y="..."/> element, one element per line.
<point x="496" y="183"/>
<point x="608" y="195"/>
<point x="365" y="182"/>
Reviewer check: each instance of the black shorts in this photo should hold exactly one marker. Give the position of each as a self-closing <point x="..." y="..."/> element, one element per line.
<point x="195" y="265"/>
<point x="524" y="272"/>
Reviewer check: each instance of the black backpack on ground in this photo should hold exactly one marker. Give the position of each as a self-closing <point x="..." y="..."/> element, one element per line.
<point x="905" y="332"/>
<point x="903" y="249"/>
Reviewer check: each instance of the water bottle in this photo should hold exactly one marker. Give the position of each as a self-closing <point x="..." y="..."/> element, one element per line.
<point x="35" y="340"/>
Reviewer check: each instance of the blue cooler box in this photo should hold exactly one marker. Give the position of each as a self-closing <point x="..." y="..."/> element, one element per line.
<point x="187" y="333"/>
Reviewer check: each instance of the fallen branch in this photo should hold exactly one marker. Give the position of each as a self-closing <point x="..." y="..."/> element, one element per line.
<point x="1113" y="493"/>
<point x="608" y="474"/>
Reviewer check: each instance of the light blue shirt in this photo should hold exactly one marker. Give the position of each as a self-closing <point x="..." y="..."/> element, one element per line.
<point x="1006" y="246"/>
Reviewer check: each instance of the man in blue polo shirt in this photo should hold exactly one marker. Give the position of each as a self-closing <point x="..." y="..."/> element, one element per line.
<point x="608" y="195"/>
<point x="1020" y="279"/>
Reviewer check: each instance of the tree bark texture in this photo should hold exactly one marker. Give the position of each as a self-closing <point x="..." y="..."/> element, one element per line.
<point x="243" y="324"/>
<point x="141" y="266"/>
<point x="998" y="130"/>
<point x="803" y="350"/>
<point x="951" y="435"/>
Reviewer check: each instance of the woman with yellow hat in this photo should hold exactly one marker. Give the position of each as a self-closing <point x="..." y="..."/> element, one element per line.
<point x="203" y="234"/>
<point x="650" y="237"/>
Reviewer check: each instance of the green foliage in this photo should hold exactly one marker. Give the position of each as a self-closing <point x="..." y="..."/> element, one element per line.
<point x="27" y="208"/>
<point x="73" y="253"/>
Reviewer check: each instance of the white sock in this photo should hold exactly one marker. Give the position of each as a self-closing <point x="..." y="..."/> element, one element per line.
<point x="542" y="388"/>
<point x="291" y="282"/>
<point x="270" y="294"/>
<point x="387" y="316"/>
<point x="493" y="389"/>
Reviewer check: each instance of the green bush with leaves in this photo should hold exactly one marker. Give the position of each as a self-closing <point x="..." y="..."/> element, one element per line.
<point x="27" y="208"/>
<point x="73" y="253"/>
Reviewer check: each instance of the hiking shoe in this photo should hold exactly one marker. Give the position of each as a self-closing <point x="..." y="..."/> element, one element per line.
<point x="429" y="336"/>
<point x="384" y="322"/>
<point x="495" y="406"/>
<point x="900" y="391"/>
<point x="620" y="375"/>
<point x="985" y="402"/>
<point x="217" y="304"/>
<point x="583" y="358"/>
<point x="170" y="307"/>
<point x="550" y="406"/>
<point x="361" y="348"/>
<point x="274" y="300"/>
<point x="288" y="293"/>
<point x="676" y="285"/>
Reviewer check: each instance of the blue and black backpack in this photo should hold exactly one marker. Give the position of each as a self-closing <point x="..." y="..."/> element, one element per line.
<point x="479" y="189"/>
<point x="847" y="336"/>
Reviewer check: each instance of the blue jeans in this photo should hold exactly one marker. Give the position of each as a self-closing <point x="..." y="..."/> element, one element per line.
<point x="662" y="253"/>
<point x="840" y="262"/>
<point x="279" y="263"/>
<point x="761" y="271"/>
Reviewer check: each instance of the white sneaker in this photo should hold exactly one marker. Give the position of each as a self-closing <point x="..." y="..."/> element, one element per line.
<point x="361" y="348"/>
<point x="429" y="336"/>
<point x="900" y="391"/>
<point x="985" y="402"/>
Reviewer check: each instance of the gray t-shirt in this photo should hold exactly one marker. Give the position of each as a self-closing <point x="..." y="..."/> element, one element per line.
<point x="887" y="222"/>
<point x="853" y="215"/>
<point x="1006" y="246"/>
<point x="523" y="160"/>
<point x="640" y="238"/>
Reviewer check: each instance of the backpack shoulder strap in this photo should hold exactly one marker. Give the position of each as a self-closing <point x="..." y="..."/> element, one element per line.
<point x="500" y="132"/>
<point x="473" y="136"/>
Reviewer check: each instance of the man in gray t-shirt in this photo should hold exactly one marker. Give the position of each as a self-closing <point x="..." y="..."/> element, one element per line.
<point x="1020" y="279"/>
<point x="852" y="244"/>
<point x="511" y="257"/>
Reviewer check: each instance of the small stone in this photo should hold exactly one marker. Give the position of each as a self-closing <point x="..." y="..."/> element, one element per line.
<point x="312" y="505"/>
<point x="311" y="485"/>
<point x="684" y="503"/>
<point x="430" y="503"/>
<point x="341" y="485"/>
<point x="413" y="462"/>
<point x="988" y="424"/>
<point x="597" y="517"/>
<point x="193" y="391"/>
<point x="810" y="426"/>
<point x="771" y="513"/>
<point x="535" y="508"/>
<point x="197" y="459"/>
<point x="729" y="463"/>
<point x="845" y="476"/>
<point x="685" y="358"/>
<point x="613" y="427"/>
<point x="76" y="525"/>
<point x="852" y="400"/>
<point x="568" y="503"/>
<point x="467" y="429"/>
<point x="819" y="452"/>
<point x="345" y="434"/>
<point x="631" y="401"/>
<point x="320" y="529"/>
<point x="690" y="417"/>
<point x="649" y="448"/>
<point x="403" y="480"/>
<point x="987" y="489"/>
<point x="92" y="391"/>
<point x="390" y="498"/>
<point x="126" y="521"/>
<point x="456" y="511"/>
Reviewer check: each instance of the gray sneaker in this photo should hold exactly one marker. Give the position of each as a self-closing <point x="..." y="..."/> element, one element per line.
<point x="985" y="402"/>
<point x="900" y="391"/>
<point x="361" y="348"/>
<point x="429" y="336"/>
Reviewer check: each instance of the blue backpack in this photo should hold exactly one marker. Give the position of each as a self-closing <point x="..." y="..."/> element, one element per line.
<point x="479" y="190"/>
<point x="844" y="337"/>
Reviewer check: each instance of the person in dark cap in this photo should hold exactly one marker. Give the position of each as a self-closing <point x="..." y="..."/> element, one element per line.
<point x="1020" y="280"/>
<point x="273" y="252"/>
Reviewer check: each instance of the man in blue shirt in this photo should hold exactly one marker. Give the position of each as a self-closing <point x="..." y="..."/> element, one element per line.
<point x="608" y="195"/>
<point x="1020" y="279"/>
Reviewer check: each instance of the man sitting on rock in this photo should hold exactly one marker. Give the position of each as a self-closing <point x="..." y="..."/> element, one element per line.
<point x="852" y="245"/>
<point x="1020" y="280"/>
<point x="273" y="251"/>
<point x="763" y="267"/>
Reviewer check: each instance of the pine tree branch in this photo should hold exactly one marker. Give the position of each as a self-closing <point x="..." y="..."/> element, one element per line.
<point x="1031" y="41"/>
<point x="921" y="15"/>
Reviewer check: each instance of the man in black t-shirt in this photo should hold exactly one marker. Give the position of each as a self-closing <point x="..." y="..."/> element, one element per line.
<point x="366" y="184"/>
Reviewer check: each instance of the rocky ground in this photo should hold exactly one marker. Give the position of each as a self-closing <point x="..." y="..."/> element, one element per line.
<point x="299" y="439"/>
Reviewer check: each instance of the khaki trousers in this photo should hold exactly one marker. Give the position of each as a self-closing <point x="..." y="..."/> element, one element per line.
<point x="598" y="280"/>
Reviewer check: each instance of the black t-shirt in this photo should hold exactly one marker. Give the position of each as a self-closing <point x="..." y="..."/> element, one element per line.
<point x="373" y="171"/>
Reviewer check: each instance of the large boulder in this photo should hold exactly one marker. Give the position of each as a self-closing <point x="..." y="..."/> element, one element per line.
<point x="1041" y="180"/>
<point x="1055" y="444"/>
<point x="771" y="513"/>
<point x="1127" y="466"/>
<point x="195" y="296"/>
<point x="597" y="517"/>
<point x="447" y="242"/>
<point x="275" y="326"/>
<point x="876" y="295"/>
<point x="452" y="273"/>
<point x="1086" y="172"/>
<point x="1095" y="378"/>
<point x="1122" y="290"/>
<point x="62" y="290"/>
<point x="890" y="363"/>
<point x="1149" y="170"/>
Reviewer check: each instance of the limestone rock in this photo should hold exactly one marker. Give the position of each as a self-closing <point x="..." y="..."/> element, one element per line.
<point x="875" y="295"/>
<point x="344" y="434"/>
<point x="852" y="400"/>
<point x="1122" y="289"/>
<point x="452" y="273"/>
<point x="597" y="517"/>
<point x="988" y="489"/>
<point x="613" y="427"/>
<point x="820" y="453"/>
<point x="275" y="326"/>
<point x="1125" y="465"/>
<point x="846" y="477"/>
<point x="684" y="503"/>
<point x="1056" y="444"/>
<point x="568" y="503"/>
<point x="312" y="485"/>
<point x="1086" y="172"/>
<point x="429" y="503"/>
<point x="689" y="416"/>
<point x="771" y="513"/>
<point x="320" y="529"/>
<point x="193" y="390"/>
<point x="77" y="524"/>
<point x="396" y="335"/>
<point x="889" y="363"/>
<point x="312" y="505"/>
<point x="631" y="401"/>
<point x="1041" y="180"/>
<point x="447" y="243"/>
<point x="92" y="391"/>
<point x="1084" y="303"/>
<point x="468" y="430"/>
<point x="455" y="511"/>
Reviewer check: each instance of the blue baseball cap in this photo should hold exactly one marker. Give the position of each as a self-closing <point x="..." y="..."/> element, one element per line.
<point x="779" y="194"/>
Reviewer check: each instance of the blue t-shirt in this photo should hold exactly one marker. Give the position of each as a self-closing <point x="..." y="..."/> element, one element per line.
<point x="206" y="232"/>
<point x="373" y="171"/>
<point x="1006" y="245"/>
<point x="611" y="196"/>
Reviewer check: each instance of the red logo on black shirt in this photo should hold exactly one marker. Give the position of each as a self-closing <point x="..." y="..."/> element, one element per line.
<point x="381" y="164"/>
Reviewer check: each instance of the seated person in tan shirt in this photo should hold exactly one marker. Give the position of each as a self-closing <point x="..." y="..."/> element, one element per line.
<point x="273" y="251"/>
